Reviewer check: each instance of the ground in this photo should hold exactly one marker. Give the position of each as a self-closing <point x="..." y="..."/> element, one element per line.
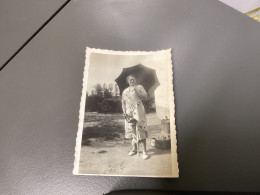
<point x="105" y="151"/>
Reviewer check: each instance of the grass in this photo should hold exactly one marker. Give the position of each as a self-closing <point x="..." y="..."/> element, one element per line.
<point x="99" y="128"/>
<point x="102" y="127"/>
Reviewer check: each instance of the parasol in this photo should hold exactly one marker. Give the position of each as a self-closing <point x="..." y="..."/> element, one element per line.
<point x="144" y="76"/>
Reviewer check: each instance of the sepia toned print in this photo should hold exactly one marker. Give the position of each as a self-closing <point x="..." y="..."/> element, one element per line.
<point x="127" y="118"/>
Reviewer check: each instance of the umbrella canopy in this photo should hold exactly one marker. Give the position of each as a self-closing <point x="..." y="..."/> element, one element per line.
<point x="144" y="76"/>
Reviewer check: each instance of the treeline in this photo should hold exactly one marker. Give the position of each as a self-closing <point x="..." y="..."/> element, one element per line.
<point x="104" y="99"/>
<point x="107" y="99"/>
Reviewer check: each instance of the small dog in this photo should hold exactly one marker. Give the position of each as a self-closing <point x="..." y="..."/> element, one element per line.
<point x="137" y="148"/>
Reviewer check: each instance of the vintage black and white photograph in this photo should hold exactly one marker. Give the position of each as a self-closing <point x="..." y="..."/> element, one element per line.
<point x="127" y="118"/>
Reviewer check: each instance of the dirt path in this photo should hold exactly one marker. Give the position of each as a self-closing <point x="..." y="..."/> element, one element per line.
<point x="106" y="154"/>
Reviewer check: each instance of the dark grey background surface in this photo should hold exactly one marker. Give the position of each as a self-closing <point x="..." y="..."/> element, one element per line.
<point x="216" y="76"/>
<point x="19" y="20"/>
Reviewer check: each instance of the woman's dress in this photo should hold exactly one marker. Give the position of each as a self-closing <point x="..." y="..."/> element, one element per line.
<point x="134" y="108"/>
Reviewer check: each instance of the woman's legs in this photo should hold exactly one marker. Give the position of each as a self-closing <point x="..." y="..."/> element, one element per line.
<point x="134" y="149"/>
<point x="134" y="145"/>
<point x="138" y="137"/>
<point x="134" y="139"/>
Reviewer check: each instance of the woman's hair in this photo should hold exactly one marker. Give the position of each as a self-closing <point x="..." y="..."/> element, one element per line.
<point x="127" y="78"/>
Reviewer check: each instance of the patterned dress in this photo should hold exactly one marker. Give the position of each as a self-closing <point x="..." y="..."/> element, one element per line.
<point x="134" y="109"/>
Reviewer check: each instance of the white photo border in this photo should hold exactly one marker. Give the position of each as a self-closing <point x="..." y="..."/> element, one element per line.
<point x="167" y="52"/>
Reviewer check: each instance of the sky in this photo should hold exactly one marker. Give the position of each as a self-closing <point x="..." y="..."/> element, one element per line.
<point x="106" y="68"/>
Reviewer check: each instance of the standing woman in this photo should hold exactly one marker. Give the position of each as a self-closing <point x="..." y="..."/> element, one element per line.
<point x="134" y="112"/>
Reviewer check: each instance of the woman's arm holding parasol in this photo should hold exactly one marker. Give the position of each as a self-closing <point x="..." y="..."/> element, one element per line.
<point x="140" y="92"/>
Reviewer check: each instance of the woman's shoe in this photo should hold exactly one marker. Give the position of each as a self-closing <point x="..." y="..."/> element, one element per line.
<point x="145" y="156"/>
<point x="132" y="152"/>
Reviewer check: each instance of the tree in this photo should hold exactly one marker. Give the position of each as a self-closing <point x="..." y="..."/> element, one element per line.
<point x="104" y="106"/>
<point x="91" y="103"/>
<point x="101" y="100"/>
<point x="87" y="102"/>
<point x="99" y="91"/>
<point x="116" y="90"/>
<point x="110" y="88"/>
<point x="104" y="86"/>
<point x="99" y="97"/>
<point x="93" y="92"/>
<point x="106" y="93"/>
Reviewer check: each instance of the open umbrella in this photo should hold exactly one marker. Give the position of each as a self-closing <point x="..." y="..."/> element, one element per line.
<point x="144" y="76"/>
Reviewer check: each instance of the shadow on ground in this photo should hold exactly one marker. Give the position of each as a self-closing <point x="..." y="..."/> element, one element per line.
<point x="156" y="152"/>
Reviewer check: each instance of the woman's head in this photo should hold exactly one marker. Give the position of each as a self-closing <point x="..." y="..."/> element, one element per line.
<point x="131" y="80"/>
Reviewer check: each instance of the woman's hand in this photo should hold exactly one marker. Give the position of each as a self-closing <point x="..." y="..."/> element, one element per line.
<point x="140" y="93"/>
